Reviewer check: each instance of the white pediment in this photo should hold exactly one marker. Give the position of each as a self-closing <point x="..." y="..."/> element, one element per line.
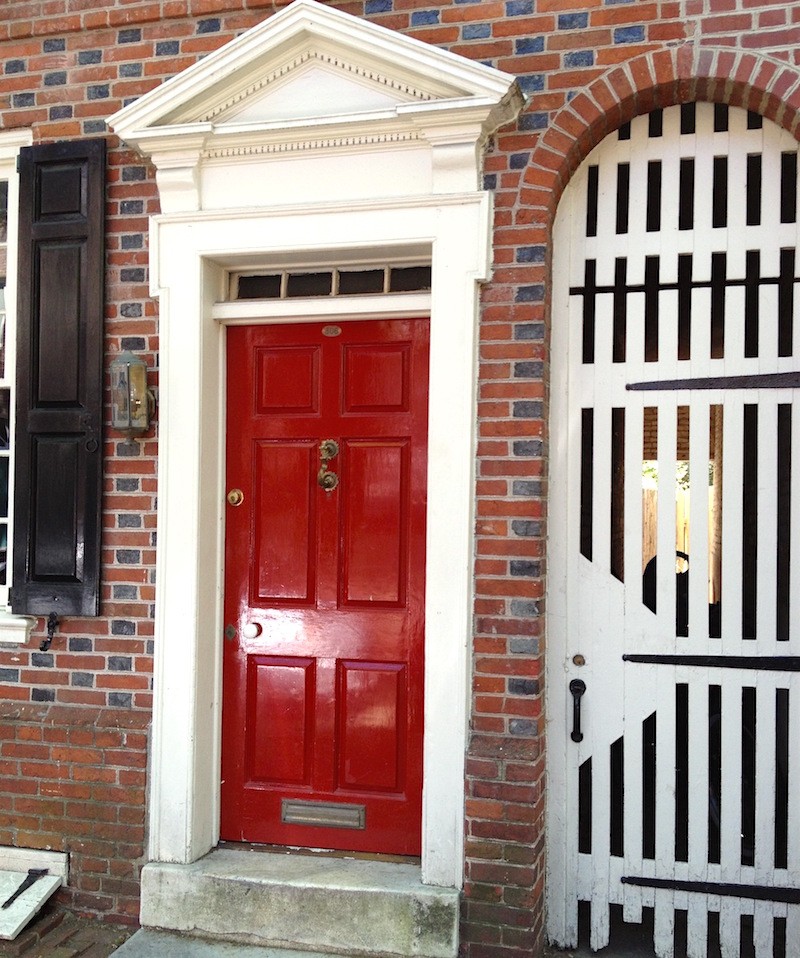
<point x="313" y="78"/>
<point x="318" y="88"/>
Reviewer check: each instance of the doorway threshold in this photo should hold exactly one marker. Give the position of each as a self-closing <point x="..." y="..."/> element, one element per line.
<point x="303" y="900"/>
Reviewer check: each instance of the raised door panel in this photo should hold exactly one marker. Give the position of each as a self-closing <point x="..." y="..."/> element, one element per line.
<point x="376" y="378"/>
<point x="284" y="523"/>
<point x="287" y="380"/>
<point x="280" y="719"/>
<point x="374" y="533"/>
<point x="373" y="721"/>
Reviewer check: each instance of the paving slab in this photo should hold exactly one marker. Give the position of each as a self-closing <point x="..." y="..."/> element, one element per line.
<point x="159" y="944"/>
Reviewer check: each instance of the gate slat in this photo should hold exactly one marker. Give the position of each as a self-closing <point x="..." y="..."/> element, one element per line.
<point x="729" y="918"/>
<point x="599" y="733"/>
<point x="794" y="560"/>
<point x="703" y="238"/>
<point x="730" y="811"/>
<point x="698" y="810"/>
<point x="793" y="773"/>
<point x="762" y="929"/>
<point x="699" y="431"/>
<point x="731" y="610"/>
<point x="764" y="859"/>
<point x="664" y="925"/>
<point x="767" y="575"/>
<point x="665" y="810"/>
<point x="638" y="679"/>
<point x="665" y="584"/>
<point x="768" y="325"/>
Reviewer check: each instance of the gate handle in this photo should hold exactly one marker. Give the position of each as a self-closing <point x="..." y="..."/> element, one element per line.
<point x="576" y="687"/>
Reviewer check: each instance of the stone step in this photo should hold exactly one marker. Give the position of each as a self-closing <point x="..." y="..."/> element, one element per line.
<point x="303" y="902"/>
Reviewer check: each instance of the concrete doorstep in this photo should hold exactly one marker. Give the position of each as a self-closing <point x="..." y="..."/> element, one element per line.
<point x="255" y="904"/>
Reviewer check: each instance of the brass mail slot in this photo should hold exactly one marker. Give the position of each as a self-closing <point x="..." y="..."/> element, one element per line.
<point x="295" y="811"/>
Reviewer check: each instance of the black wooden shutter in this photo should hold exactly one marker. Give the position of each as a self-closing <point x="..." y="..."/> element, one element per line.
<point x="58" y="448"/>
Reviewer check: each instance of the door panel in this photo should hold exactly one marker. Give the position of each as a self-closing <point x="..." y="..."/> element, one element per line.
<point x="374" y="567"/>
<point x="323" y="665"/>
<point x="284" y="528"/>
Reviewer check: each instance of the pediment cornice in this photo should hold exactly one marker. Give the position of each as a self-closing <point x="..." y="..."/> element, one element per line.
<point x="313" y="78"/>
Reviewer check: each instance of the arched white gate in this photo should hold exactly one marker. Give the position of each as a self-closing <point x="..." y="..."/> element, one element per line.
<point x="674" y="597"/>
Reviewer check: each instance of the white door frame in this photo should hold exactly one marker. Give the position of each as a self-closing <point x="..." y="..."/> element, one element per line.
<point x="192" y="254"/>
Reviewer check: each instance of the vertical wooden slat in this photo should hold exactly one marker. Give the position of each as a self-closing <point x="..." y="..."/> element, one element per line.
<point x="731" y="523"/>
<point x="762" y="929"/>
<point x="764" y="857"/>
<point x="794" y="523"/>
<point x="665" y="580"/>
<point x="665" y="810"/>
<point x="698" y="810"/>
<point x="730" y="808"/>
<point x="767" y="518"/>
<point x="699" y="416"/>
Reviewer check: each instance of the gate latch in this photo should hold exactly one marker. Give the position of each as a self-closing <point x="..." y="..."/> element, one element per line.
<point x="576" y="687"/>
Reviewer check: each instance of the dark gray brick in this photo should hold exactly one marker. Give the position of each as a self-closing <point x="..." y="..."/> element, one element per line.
<point x="9" y="675"/>
<point x="524" y="608"/>
<point x="82" y="680"/>
<point x="123" y="591"/>
<point x="525" y="527"/>
<point x="127" y="484"/>
<point x="43" y="695"/>
<point x="526" y="487"/>
<point x="520" y="646"/>
<point x="131" y="310"/>
<point x="42" y="660"/>
<point x="527" y="409"/>
<point x="524" y="567"/>
<point x="528" y="447"/>
<point x="122" y="627"/>
<point x="86" y="57"/>
<point x="522" y="727"/>
<point x="126" y="520"/>
<point x="120" y="663"/>
<point x="80" y="643"/>
<point x="128" y="556"/>
<point x="534" y="331"/>
<point x="132" y="275"/>
<point x="523" y="686"/>
<point x="131" y="207"/>
<point x="129" y="35"/>
<point x="120" y="700"/>
<point x="210" y="25"/>
<point x="54" y="45"/>
<point x="133" y="342"/>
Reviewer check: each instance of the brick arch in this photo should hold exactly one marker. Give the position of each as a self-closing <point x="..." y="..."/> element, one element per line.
<point x="657" y="79"/>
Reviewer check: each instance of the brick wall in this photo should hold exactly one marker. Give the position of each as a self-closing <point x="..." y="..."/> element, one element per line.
<point x="586" y="65"/>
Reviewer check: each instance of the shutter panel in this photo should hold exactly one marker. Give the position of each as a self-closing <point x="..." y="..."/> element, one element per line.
<point x="58" y="448"/>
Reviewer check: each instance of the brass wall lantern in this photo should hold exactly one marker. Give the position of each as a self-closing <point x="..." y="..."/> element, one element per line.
<point x="132" y="401"/>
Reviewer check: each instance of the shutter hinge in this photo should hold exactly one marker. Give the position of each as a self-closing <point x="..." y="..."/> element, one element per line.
<point x="18" y="164"/>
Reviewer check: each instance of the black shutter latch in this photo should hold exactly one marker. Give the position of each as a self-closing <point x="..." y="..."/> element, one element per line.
<point x="52" y="626"/>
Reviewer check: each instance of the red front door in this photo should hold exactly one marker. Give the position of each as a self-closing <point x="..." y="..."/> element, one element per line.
<point x="324" y="600"/>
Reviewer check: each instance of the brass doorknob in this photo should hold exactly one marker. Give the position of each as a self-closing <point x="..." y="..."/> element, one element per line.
<point x="235" y="497"/>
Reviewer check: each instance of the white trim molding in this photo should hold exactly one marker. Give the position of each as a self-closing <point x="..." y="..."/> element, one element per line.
<point x="394" y="184"/>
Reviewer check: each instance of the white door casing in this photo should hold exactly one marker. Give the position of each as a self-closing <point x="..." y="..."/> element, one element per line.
<point x="387" y="170"/>
<point x="675" y="265"/>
